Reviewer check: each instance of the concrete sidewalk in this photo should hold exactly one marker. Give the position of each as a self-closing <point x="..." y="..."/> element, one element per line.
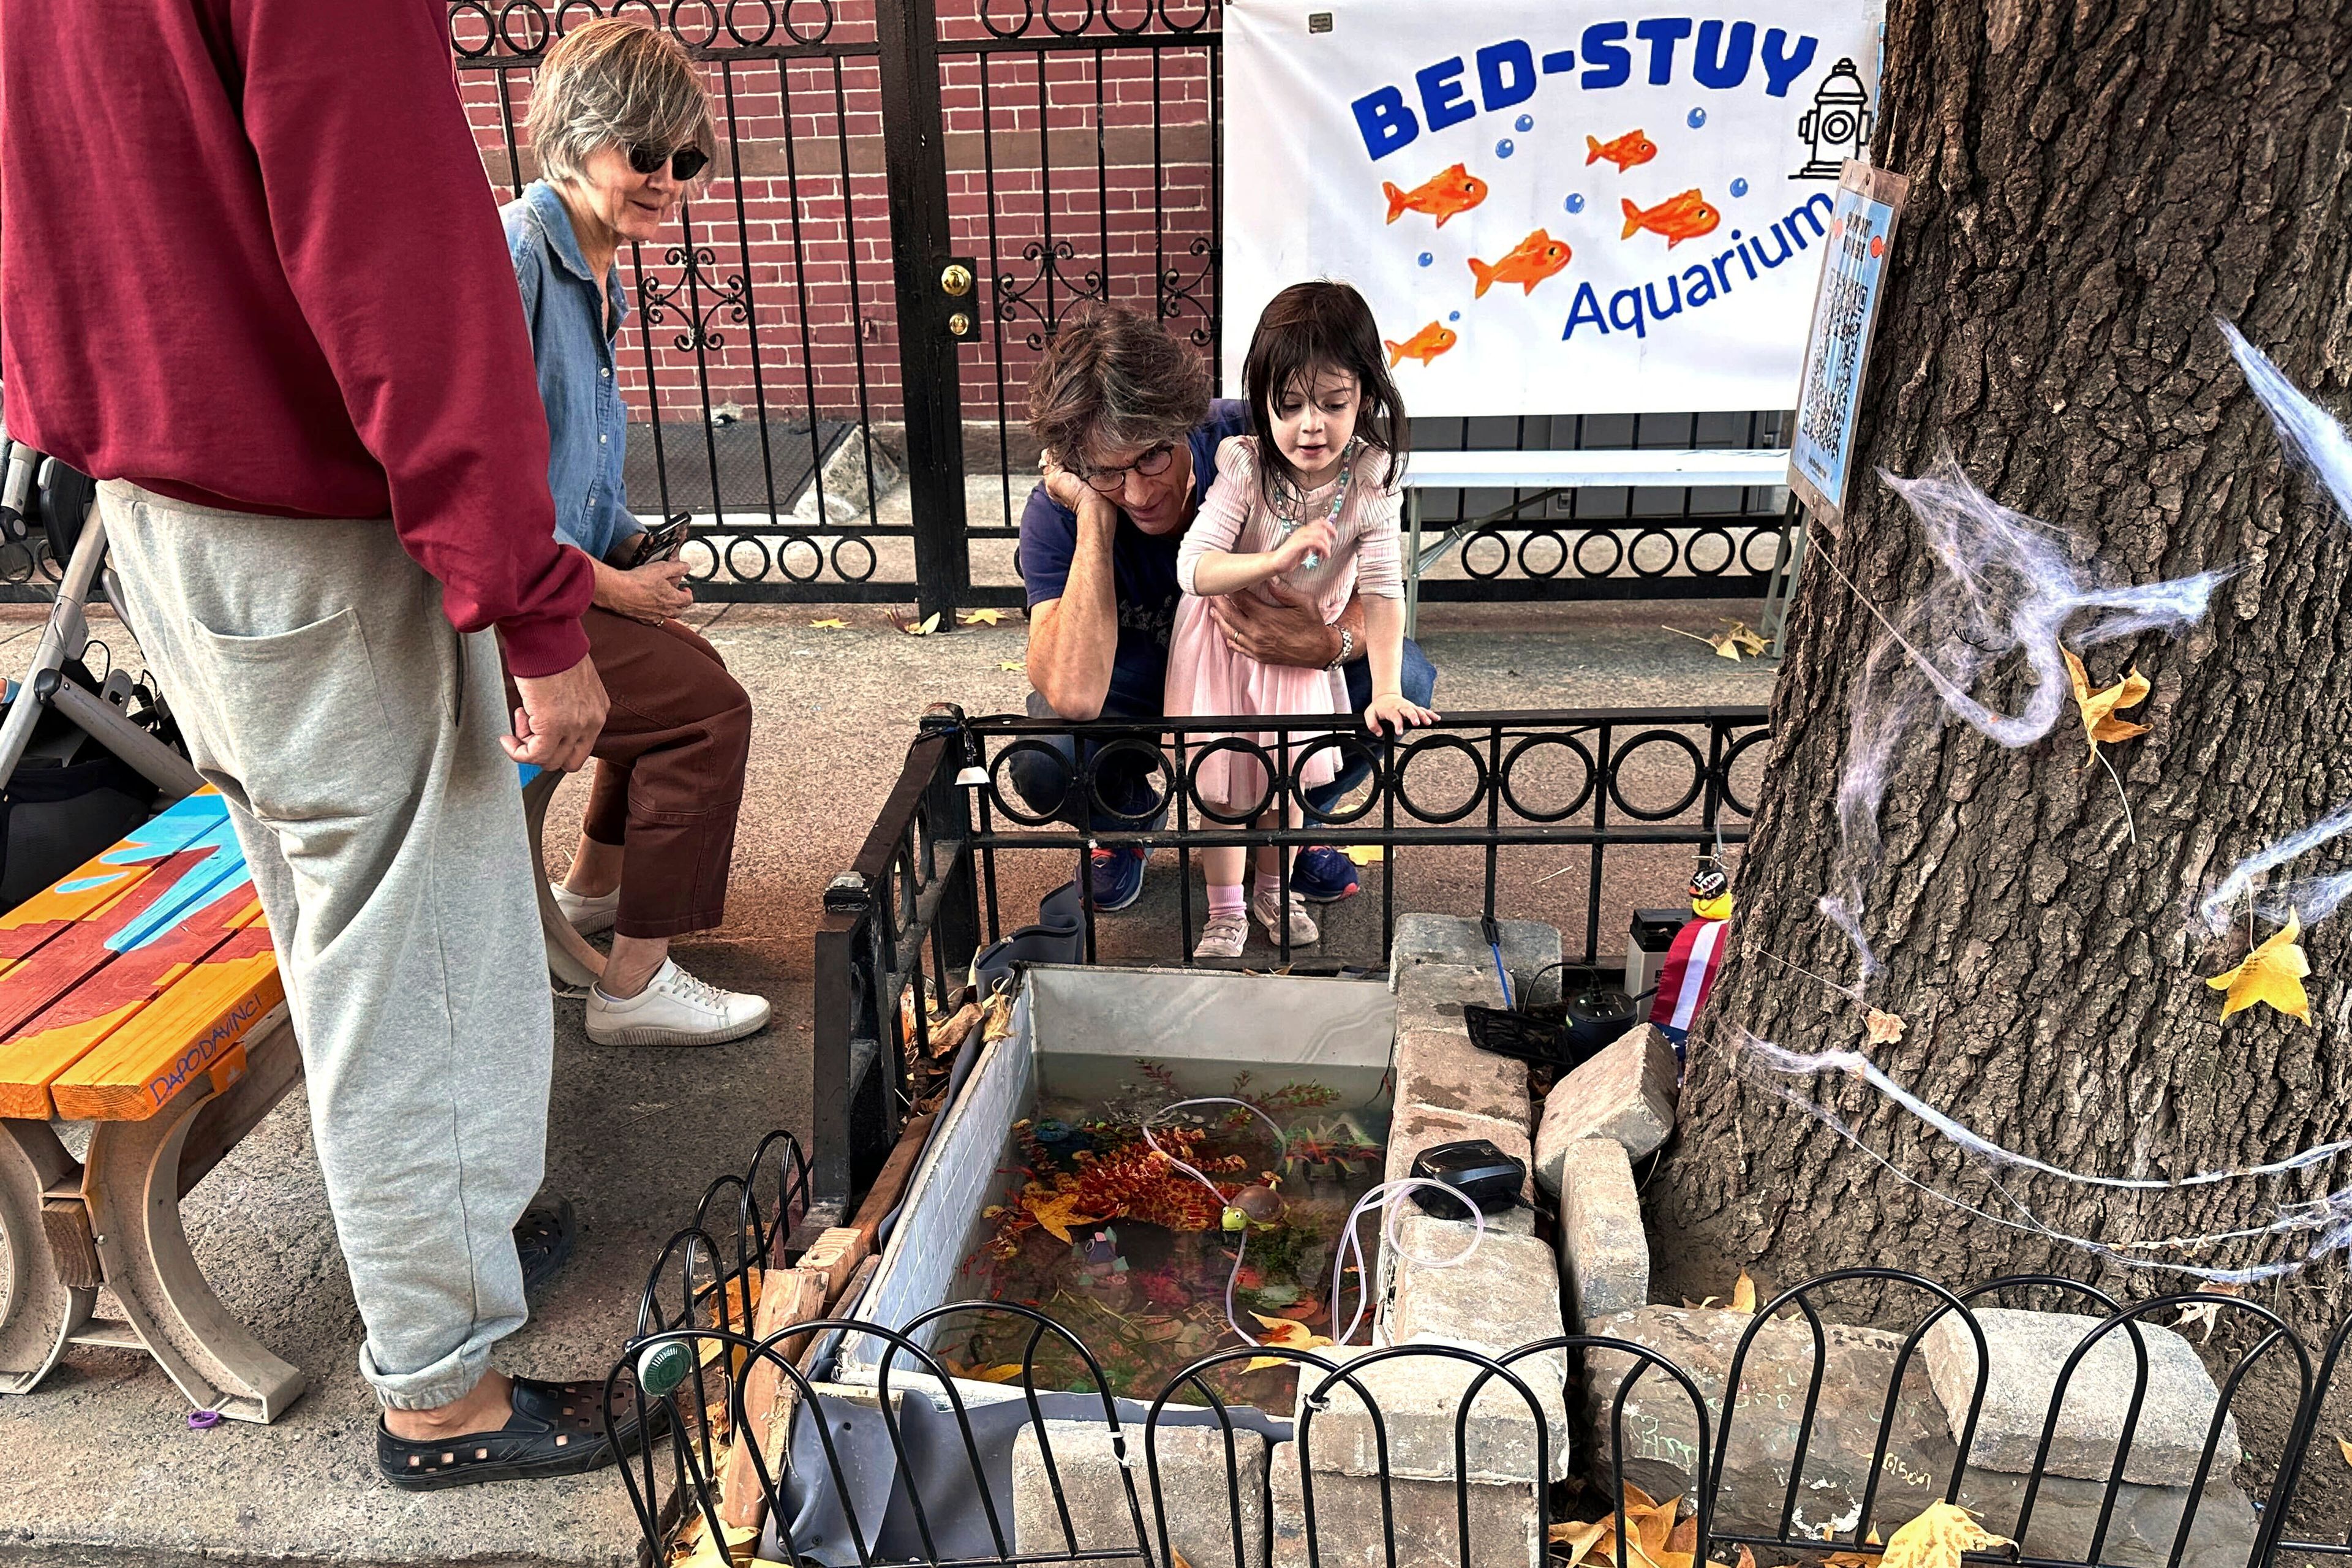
<point x="99" y="1465"/>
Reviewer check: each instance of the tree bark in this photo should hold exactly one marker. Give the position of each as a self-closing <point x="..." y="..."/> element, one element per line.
<point x="2093" y="184"/>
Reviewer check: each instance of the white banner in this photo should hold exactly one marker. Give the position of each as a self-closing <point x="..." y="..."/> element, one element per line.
<point x="1558" y="208"/>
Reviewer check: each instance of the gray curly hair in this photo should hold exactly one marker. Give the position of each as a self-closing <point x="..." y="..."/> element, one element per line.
<point x="616" y="83"/>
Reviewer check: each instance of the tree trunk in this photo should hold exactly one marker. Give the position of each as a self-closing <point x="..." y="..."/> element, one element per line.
<point x="2093" y="184"/>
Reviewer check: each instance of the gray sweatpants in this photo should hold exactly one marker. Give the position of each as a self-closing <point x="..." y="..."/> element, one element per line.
<point x="355" y="735"/>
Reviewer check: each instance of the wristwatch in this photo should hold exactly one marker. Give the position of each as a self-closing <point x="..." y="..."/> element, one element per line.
<point x="1347" y="648"/>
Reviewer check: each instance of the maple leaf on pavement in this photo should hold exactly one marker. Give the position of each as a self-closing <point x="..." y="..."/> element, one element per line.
<point x="2272" y="973"/>
<point x="1937" y="1538"/>
<point x="2099" y="720"/>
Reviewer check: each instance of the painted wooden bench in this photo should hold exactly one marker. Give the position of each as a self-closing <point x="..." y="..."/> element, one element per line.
<point x="140" y="994"/>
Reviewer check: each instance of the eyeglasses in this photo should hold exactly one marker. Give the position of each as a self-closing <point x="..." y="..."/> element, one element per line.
<point x="1152" y="465"/>
<point x="684" y="164"/>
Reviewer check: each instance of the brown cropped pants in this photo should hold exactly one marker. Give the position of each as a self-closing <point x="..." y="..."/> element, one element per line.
<point x="669" y="770"/>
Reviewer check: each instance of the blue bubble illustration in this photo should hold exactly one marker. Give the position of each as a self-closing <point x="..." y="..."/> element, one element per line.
<point x="1454" y="316"/>
<point x="1426" y="259"/>
<point x="1504" y="149"/>
<point x="1575" y="202"/>
<point x="1524" y="122"/>
<point x="1698" y="118"/>
<point x="1738" y="187"/>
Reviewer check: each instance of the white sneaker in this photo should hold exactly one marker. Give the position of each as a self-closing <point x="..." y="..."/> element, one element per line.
<point x="675" y="1009"/>
<point x="1303" y="932"/>
<point x="1224" y="937"/>
<point x="588" y="916"/>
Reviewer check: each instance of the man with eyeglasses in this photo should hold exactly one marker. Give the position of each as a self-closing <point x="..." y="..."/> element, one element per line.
<point x="1130" y="438"/>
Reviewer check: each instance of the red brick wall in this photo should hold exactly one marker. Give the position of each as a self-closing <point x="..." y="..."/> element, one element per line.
<point x="798" y="211"/>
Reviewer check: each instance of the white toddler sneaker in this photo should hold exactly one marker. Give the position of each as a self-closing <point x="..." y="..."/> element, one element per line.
<point x="588" y="916"/>
<point x="675" y="1009"/>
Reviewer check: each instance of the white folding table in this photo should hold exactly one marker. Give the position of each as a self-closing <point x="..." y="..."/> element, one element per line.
<point x="1550" y="471"/>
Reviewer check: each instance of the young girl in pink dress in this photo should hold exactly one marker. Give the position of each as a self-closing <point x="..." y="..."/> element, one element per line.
<point x="1310" y="497"/>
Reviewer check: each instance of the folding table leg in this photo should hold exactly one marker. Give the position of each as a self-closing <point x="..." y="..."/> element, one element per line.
<point x="131" y="1184"/>
<point x="39" y="1312"/>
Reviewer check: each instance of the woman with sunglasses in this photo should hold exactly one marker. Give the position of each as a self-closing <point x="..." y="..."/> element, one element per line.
<point x="622" y="127"/>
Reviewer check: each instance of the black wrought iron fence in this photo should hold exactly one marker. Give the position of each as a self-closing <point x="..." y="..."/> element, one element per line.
<point x="909" y="1463"/>
<point x="988" y="813"/>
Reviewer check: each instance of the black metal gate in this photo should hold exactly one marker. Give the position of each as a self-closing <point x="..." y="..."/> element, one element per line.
<point x="828" y="365"/>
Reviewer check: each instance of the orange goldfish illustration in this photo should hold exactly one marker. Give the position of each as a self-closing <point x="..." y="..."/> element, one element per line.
<point x="1457" y="190"/>
<point x="1423" y="345"/>
<point x="1532" y="260"/>
<point x="1682" y="218"/>
<point x="1625" y="151"/>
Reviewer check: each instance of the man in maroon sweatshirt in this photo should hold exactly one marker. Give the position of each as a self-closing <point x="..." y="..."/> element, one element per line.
<point x="256" y="284"/>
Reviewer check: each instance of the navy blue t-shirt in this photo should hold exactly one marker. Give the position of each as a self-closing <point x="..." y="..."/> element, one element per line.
<point x="1143" y="572"/>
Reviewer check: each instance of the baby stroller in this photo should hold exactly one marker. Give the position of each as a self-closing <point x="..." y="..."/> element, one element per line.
<point x="84" y="758"/>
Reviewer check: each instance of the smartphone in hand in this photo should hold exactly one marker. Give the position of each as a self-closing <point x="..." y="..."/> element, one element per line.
<point x="664" y="541"/>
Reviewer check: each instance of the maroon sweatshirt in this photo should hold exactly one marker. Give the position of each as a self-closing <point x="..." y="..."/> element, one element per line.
<point x="252" y="261"/>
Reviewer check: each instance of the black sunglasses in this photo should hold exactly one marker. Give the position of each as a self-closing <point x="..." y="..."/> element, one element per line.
<point x="684" y="164"/>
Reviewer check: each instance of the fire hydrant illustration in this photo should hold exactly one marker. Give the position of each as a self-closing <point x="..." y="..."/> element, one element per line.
<point x="1838" y="125"/>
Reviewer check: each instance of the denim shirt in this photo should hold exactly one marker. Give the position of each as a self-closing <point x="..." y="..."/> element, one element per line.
<point x="572" y="337"/>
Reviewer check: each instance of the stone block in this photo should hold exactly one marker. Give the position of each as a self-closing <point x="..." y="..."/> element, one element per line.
<point x="1351" y="1524"/>
<point x="1419" y="1397"/>
<point x="1430" y="994"/>
<point x="1627" y="1092"/>
<point x="1531" y="949"/>
<point x="1415" y="1128"/>
<point x="1503" y="1295"/>
<point x="1440" y="1069"/>
<point x="2029" y="1349"/>
<point x="1195" y="1487"/>
<point x="1604" y="1253"/>
<point x="1858" y="1364"/>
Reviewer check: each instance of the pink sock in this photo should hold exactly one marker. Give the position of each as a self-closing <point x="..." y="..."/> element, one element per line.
<point x="1224" y="901"/>
<point x="1269" y="883"/>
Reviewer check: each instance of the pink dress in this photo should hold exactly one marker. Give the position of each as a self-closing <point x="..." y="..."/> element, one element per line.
<point x="1207" y="678"/>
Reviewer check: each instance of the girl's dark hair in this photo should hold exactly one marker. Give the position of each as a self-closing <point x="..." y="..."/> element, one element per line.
<point x="1316" y="326"/>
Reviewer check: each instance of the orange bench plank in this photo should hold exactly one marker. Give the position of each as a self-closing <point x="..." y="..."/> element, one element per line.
<point x="87" y="981"/>
<point x="97" y="884"/>
<point x="163" y="1046"/>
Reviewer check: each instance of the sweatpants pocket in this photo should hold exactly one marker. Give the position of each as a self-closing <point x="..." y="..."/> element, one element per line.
<point x="307" y="733"/>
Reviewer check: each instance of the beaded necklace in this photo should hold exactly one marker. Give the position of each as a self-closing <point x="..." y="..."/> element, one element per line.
<point x="1289" y="507"/>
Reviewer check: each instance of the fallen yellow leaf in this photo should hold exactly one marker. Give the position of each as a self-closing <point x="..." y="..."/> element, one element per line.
<point x="2345" y="1449"/>
<point x="1743" y="1294"/>
<point x="697" y="1549"/>
<point x="982" y="617"/>
<point x="1013" y="665"/>
<point x="2272" y="973"/>
<point x="1937" y="1538"/>
<point x="1002" y="1373"/>
<point x="1365" y="854"/>
<point x="1744" y="637"/>
<point x="1854" y="1559"/>
<point x="829" y="625"/>
<point x="931" y="624"/>
<point x="1885" y="1029"/>
<point x="2099" y="723"/>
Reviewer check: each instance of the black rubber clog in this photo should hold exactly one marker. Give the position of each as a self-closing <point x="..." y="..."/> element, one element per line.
<point x="543" y="1240"/>
<point x="556" y="1429"/>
